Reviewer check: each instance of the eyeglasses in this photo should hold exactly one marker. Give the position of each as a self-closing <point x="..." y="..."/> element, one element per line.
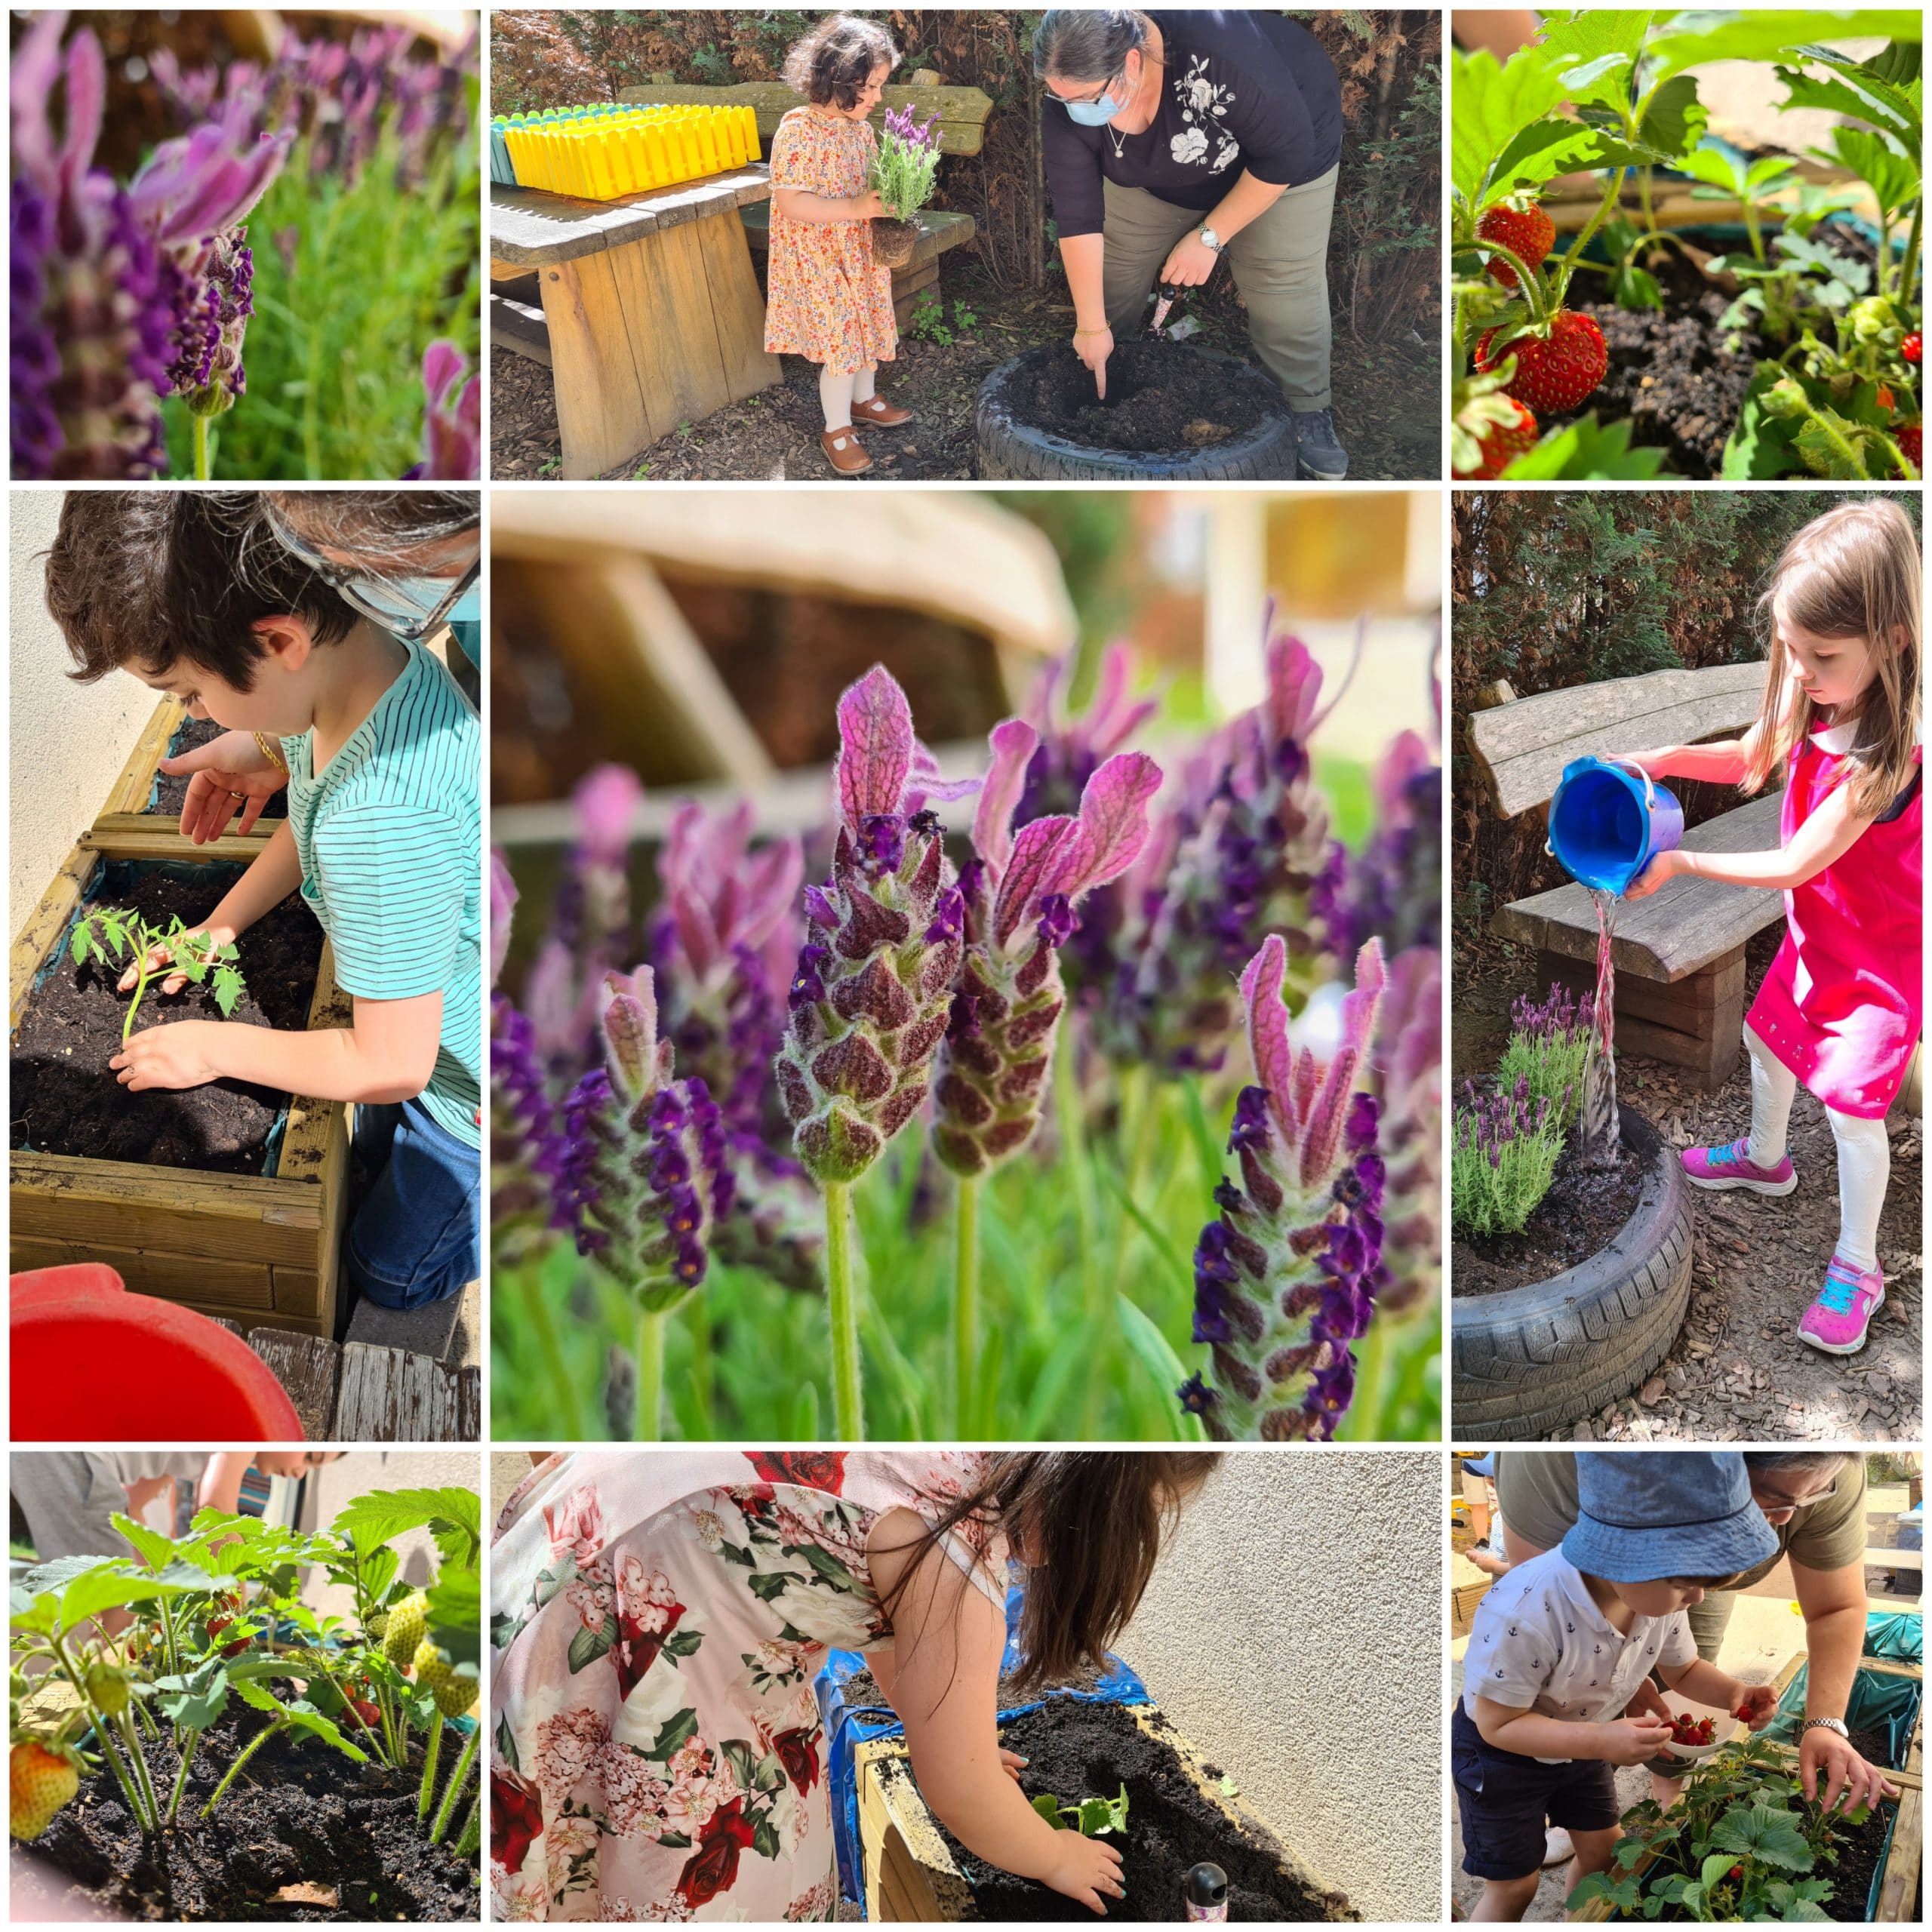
<point x="1771" y="1499"/>
<point x="1100" y="93"/>
<point x="387" y="605"/>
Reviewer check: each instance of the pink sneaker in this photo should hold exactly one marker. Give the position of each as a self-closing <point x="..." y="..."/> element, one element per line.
<point x="1732" y="1166"/>
<point x="1839" y="1321"/>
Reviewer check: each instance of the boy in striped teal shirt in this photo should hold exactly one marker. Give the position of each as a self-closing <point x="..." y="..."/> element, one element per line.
<point x="194" y="593"/>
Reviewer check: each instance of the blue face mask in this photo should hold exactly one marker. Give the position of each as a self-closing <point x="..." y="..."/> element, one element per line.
<point x="1095" y="113"/>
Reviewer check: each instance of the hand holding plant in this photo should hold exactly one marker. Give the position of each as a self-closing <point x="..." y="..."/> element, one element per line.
<point x="183" y="953"/>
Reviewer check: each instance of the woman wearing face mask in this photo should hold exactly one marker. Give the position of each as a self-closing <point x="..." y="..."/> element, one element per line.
<point x="1171" y="138"/>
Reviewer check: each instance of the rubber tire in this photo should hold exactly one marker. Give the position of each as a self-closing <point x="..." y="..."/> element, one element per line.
<point x="1011" y="450"/>
<point x="1528" y="1364"/>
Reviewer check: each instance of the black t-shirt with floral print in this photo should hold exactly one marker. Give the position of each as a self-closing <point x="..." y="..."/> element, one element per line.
<point x="1240" y="92"/>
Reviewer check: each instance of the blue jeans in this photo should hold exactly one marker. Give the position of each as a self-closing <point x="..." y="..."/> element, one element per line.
<point x="416" y="1237"/>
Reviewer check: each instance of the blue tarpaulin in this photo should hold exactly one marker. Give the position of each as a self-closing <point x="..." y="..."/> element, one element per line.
<point x="848" y="1725"/>
<point x="1897" y="1635"/>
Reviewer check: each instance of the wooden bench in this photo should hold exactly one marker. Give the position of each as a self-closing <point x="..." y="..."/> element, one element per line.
<point x="962" y="112"/>
<point x="1679" y="954"/>
<point x="939" y="229"/>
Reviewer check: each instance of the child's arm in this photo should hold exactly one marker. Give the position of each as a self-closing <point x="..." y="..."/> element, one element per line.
<point x="267" y="882"/>
<point x="388" y="1055"/>
<point x="949" y="1638"/>
<point x="1827" y="834"/>
<point x="1704" y="1684"/>
<point x="800" y="204"/>
<point x="1625" y="1741"/>
<point x="1721" y="764"/>
<point x="883" y="1666"/>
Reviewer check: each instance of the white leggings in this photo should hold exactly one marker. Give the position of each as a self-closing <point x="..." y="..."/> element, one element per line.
<point x="1865" y="1154"/>
<point x="837" y="394"/>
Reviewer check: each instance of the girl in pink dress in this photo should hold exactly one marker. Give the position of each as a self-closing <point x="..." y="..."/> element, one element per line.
<point x="826" y="298"/>
<point x="1841" y="1006"/>
<point x="657" y="1617"/>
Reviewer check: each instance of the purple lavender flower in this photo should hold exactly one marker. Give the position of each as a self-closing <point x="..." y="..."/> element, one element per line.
<point x="1019" y="913"/>
<point x="1408" y="1084"/>
<point x="875" y="979"/>
<point x="1284" y="1278"/>
<point x="1393" y="891"/>
<point x="1071" y="749"/>
<point x="452" y="419"/>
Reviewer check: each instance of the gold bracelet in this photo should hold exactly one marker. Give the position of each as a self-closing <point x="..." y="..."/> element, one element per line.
<point x="1102" y="330"/>
<point x="271" y="751"/>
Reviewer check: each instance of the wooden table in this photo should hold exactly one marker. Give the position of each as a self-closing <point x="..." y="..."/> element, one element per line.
<point x="651" y="307"/>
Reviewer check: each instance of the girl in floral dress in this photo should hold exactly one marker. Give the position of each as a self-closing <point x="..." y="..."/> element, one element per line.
<point x="826" y="298"/>
<point x="657" y="1618"/>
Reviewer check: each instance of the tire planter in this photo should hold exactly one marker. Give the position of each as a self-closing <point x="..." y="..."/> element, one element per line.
<point x="1530" y="1362"/>
<point x="1009" y="447"/>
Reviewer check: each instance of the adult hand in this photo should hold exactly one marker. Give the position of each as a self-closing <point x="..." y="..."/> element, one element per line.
<point x="1663" y="868"/>
<point x="1757" y="1706"/>
<point x="1191" y="263"/>
<point x="1829" y="1770"/>
<point x="180" y="1055"/>
<point x="1093" y="346"/>
<point x="1012" y="1764"/>
<point x="1088" y="1869"/>
<point x="229" y="772"/>
<point x="1634" y="1740"/>
<point x="159" y="957"/>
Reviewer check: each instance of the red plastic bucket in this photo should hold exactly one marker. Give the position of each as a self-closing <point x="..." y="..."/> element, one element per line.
<point x="92" y="1363"/>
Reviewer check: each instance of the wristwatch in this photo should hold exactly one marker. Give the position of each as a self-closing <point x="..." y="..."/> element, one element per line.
<point x="1829" y="1724"/>
<point x="1209" y="239"/>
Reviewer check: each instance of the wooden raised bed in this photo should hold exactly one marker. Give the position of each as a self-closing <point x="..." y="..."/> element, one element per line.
<point x="910" y="1875"/>
<point x="126" y="809"/>
<point x="261" y="1250"/>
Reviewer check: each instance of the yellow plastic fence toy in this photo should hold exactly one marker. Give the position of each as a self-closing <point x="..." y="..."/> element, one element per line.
<point x="599" y="154"/>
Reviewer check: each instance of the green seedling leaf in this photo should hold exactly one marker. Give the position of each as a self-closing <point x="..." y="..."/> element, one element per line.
<point x="1493" y="105"/>
<point x="1230" y="1789"/>
<point x="227" y="989"/>
<point x="195" y="1700"/>
<point x="1585" y="449"/>
<point x="452" y="1514"/>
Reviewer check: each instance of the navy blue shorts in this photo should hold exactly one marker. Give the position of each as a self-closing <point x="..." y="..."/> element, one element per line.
<point x="416" y="1237"/>
<point x="1506" y="1798"/>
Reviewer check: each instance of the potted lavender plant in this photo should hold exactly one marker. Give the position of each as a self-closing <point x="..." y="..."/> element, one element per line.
<point x="903" y="172"/>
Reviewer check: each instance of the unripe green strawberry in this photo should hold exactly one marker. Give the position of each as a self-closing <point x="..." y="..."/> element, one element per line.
<point x="436" y="1675"/>
<point x="404" y="1632"/>
<point x="379" y="1622"/>
<point x="108" y="1687"/>
<point x="38" y="1782"/>
<point x="1557" y="365"/>
<point x="1525" y="232"/>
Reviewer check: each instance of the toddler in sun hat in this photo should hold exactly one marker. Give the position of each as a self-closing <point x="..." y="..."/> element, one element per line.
<point x="1562" y="1645"/>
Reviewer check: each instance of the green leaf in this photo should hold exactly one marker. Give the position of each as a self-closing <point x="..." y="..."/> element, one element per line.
<point x="253" y="1693"/>
<point x="453" y="1616"/>
<point x="1720" y="167"/>
<point x="1230" y="1789"/>
<point x="1674" y="120"/>
<point x="195" y="1701"/>
<point x="1048" y="1807"/>
<point x="89" y="1596"/>
<point x="764" y="1837"/>
<point x="587" y="1646"/>
<point x="1633" y="287"/>
<point x="744" y="1764"/>
<point x="1765" y="1832"/>
<point x="155" y="1550"/>
<point x="305" y="1717"/>
<point x="1890" y="175"/>
<point x="1585" y="449"/>
<point x="1152" y="1349"/>
<point x="1716" y="1868"/>
<point x="1696" y="39"/>
<point x="1545" y="148"/>
<point x="373" y="1520"/>
<point x="77" y="945"/>
<point x="1853" y="88"/>
<point x="1492" y="104"/>
<point x="227" y="989"/>
<point x="676" y="1730"/>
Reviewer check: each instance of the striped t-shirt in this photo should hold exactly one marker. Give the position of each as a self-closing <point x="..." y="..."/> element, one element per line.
<point x="390" y="838"/>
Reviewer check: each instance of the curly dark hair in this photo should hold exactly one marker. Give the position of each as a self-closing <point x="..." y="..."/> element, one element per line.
<point x="831" y="65"/>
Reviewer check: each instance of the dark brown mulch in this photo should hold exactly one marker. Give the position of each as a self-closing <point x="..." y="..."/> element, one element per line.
<point x="1386" y="400"/>
<point x="1581" y="1214"/>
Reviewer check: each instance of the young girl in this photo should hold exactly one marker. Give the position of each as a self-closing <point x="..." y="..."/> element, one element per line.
<point x="1841" y="1006"/>
<point x="657" y="1621"/>
<point x="826" y="300"/>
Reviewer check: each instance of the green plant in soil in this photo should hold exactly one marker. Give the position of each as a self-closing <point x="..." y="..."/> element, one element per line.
<point x="218" y="1616"/>
<point x="156" y="952"/>
<point x="1741" y="1843"/>
<point x="1091" y="1817"/>
<point x="1503" y="1150"/>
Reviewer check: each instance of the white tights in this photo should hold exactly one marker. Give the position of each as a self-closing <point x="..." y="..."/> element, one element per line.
<point x="837" y="394"/>
<point x="1865" y="1154"/>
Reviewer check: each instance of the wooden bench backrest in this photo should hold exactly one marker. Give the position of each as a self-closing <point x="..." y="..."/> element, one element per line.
<point x="962" y="112"/>
<point x="1520" y="748"/>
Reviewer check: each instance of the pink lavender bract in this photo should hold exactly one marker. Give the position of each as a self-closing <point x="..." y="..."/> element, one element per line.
<point x="452" y="419"/>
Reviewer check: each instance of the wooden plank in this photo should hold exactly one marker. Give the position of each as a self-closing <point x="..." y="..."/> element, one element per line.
<point x="131" y="791"/>
<point x="530" y="228"/>
<point x="689" y="353"/>
<point x="139" y="835"/>
<point x="1670" y="1001"/>
<point x="645" y="303"/>
<point x="41" y="931"/>
<point x="601" y="407"/>
<point x="520" y="328"/>
<point x="963" y="111"/>
<point x="470" y="1404"/>
<point x="902" y="298"/>
<point x="306" y="1366"/>
<point x="387" y="1396"/>
<point x="1520" y="749"/>
<point x="1687" y="924"/>
<point x="737" y="309"/>
<point x="174" y="1276"/>
<point x="939" y="229"/>
<point x="1898" y="1889"/>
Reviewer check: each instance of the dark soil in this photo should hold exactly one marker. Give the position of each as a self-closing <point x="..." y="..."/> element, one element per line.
<point x="1160" y="398"/>
<point x="66" y="1098"/>
<point x="171" y="793"/>
<point x="1671" y="372"/>
<point x="1076" y="1750"/>
<point x="1385" y="411"/>
<point x="1581" y="1214"/>
<point x="297" y="1815"/>
<point x="861" y="1690"/>
<point x="1859" y="1849"/>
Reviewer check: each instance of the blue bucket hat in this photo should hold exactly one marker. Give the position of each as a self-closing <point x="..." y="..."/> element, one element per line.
<point x="1481" y="1465"/>
<point x="1646" y="1514"/>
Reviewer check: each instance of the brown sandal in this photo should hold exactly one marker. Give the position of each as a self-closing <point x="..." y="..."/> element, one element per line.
<point x="844" y="452"/>
<point x="876" y="409"/>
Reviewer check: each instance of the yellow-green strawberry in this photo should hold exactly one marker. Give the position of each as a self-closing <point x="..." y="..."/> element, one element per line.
<point x="108" y="1687"/>
<point x="436" y="1675"/>
<point x="404" y="1630"/>
<point x="379" y="1622"/>
<point x="38" y="1782"/>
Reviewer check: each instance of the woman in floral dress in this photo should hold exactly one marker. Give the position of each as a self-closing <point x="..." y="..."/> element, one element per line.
<point x="826" y="298"/>
<point x="658" y="1617"/>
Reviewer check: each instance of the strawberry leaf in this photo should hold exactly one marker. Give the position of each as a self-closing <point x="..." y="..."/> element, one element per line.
<point x="1493" y="105"/>
<point x="1585" y="449"/>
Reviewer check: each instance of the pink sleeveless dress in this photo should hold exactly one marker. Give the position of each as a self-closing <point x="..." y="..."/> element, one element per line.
<point x="1842" y="1006"/>
<point x="656" y="1619"/>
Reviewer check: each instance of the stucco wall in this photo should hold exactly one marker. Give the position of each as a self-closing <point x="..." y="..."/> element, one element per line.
<point x="1293" y="1631"/>
<point x="68" y="741"/>
<point x="336" y="1484"/>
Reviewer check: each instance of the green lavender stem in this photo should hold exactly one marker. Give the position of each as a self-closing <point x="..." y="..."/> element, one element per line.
<point x="966" y="1303"/>
<point x="650" y="1374"/>
<point x="431" y="1750"/>
<point x="842" y="1302"/>
<point x="454" y="1789"/>
<point x="203" y="471"/>
<point x="545" y="1329"/>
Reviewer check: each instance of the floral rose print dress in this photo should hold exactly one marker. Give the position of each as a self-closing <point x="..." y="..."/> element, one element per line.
<point x="657" y="1618"/>
<point x="825" y="299"/>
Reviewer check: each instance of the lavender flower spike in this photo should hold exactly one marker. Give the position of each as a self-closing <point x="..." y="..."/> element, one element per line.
<point x="452" y="418"/>
<point x="1408" y="1089"/>
<point x="1020" y="897"/>
<point x="1283" y="1279"/>
<point x="874" y="981"/>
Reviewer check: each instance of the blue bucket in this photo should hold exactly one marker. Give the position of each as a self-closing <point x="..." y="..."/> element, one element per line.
<point x="1608" y="819"/>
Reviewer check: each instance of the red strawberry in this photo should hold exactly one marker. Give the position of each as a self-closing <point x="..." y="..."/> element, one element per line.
<point x="1736" y="1872"/>
<point x="39" y="1782"/>
<point x="1913" y="348"/>
<point x="1525" y="232"/>
<point x="1885" y="397"/>
<point x="1911" y="439"/>
<point x="1503" y="442"/>
<point x="366" y="1711"/>
<point x="1743" y="1713"/>
<point x="1555" y="369"/>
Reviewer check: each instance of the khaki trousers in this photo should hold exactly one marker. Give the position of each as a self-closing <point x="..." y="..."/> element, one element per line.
<point x="1279" y="262"/>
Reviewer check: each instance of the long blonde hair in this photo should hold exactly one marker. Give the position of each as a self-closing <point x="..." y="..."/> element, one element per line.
<point x="1853" y="572"/>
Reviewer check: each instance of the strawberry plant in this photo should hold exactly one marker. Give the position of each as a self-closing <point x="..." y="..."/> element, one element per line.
<point x="112" y="936"/>
<point x="1739" y="1843"/>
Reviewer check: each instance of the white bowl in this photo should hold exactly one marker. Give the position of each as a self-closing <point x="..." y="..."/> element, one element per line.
<point x="1696" y="1754"/>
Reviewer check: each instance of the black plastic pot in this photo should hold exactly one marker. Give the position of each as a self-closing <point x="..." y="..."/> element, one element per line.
<point x="1529" y="1362"/>
<point x="1011" y="447"/>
